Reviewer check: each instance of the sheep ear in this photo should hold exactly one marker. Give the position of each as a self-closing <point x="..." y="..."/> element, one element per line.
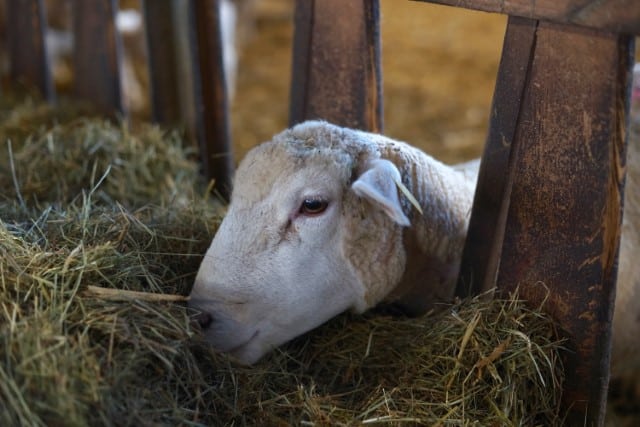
<point x="378" y="185"/>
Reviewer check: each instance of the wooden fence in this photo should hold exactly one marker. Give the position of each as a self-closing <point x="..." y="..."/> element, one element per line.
<point x="549" y="199"/>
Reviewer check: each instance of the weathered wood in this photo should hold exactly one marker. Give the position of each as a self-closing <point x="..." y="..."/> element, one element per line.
<point x="620" y="16"/>
<point x="163" y="70"/>
<point x="564" y="181"/>
<point x="210" y="93"/>
<point x="28" y="59"/>
<point x="97" y="55"/>
<point x="481" y="255"/>
<point x="336" y="63"/>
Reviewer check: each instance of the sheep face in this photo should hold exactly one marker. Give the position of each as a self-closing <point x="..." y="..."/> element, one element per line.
<point x="310" y="232"/>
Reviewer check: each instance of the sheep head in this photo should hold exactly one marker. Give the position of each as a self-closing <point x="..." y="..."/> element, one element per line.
<point x="314" y="228"/>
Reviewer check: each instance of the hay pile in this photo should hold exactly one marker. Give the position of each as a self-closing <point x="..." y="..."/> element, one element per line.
<point x="102" y="229"/>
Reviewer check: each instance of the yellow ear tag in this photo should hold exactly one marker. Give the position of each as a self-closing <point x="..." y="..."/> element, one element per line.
<point x="407" y="194"/>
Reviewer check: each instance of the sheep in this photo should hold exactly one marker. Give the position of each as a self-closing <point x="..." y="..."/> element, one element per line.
<point x="316" y="226"/>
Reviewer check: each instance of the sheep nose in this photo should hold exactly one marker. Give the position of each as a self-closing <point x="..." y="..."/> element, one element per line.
<point x="204" y="320"/>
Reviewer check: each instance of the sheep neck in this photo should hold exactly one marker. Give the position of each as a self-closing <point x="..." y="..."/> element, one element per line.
<point x="434" y="242"/>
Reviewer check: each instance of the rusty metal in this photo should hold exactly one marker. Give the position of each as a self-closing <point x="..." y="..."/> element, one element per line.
<point x="97" y="55"/>
<point x="163" y="71"/>
<point x="28" y="61"/>
<point x="555" y="218"/>
<point x="210" y="93"/>
<point x="336" y="63"/>
<point x="618" y="16"/>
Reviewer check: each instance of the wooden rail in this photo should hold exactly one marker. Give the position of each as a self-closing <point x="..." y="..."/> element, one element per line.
<point x="617" y="16"/>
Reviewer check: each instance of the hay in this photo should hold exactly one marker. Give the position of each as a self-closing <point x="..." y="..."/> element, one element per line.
<point x="480" y="363"/>
<point x="102" y="230"/>
<point x="50" y="158"/>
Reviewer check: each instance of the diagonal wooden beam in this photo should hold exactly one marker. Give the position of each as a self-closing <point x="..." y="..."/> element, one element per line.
<point x="555" y="225"/>
<point x="481" y="255"/>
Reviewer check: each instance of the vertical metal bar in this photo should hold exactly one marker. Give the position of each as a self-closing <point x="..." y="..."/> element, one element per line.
<point x="29" y="63"/>
<point x="336" y="63"/>
<point x="97" y="55"/>
<point x="210" y="93"/>
<point x="163" y="71"/>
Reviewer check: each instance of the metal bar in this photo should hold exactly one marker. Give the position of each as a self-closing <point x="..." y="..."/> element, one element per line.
<point x="336" y="63"/>
<point x="97" y="55"/>
<point x="163" y="71"/>
<point x="210" y="96"/>
<point x="29" y="63"/>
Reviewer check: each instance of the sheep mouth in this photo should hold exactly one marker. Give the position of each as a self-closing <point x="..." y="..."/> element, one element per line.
<point x="242" y="344"/>
<point x="243" y="352"/>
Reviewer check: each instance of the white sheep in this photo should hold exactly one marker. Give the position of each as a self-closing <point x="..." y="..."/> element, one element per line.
<point x="317" y="226"/>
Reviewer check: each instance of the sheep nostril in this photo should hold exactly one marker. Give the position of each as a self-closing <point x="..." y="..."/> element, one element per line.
<point x="204" y="320"/>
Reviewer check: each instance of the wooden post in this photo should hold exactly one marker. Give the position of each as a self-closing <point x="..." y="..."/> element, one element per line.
<point x="97" y="55"/>
<point x="481" y="255"/>
<point x="210" y="96"/>
<point x="28" y="59"/>
<point x="336" y="63"/>
<point x="555" y="218"/>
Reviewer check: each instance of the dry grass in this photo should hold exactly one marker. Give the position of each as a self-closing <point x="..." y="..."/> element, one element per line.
<point x="102" y="230"/>
<point x="479" y="363"/>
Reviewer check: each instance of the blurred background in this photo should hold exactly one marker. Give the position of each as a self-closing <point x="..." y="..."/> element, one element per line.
<point x="439" y="67"/>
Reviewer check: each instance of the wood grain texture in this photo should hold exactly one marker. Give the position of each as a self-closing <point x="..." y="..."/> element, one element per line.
<point x="28" y="61"/>
<point x="620" y="16"/>
<point x="481" y="255"/>
<point x="555" y="222"/>
<point x="336" y="65"/>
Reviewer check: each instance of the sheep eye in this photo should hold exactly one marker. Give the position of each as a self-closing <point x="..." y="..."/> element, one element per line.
<point x="313" y="206"/>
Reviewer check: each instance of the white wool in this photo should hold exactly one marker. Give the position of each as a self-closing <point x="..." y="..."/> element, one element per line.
<point x="273" y="272"/>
